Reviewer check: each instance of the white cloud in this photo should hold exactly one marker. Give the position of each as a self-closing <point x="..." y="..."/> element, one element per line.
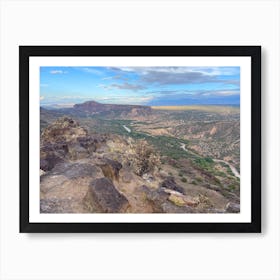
<point x="90" y="70"/>
<point x="209" y="71"/>
<point x="42" y="97"/>
<point x="110" y="78"/>
<point x="57" y="72"/>
<point x="130" y="100"/>
<point x="106" y="87"/>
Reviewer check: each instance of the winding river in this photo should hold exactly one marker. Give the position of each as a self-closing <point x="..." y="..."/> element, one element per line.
<point x="232" y="168"/>
<point x="183" y="147"/>
<point x="127" y="129"/>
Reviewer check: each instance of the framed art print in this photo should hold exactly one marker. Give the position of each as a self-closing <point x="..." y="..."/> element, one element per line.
<point x="140" y="138"/>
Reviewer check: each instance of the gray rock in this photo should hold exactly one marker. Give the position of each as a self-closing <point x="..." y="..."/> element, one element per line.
<point x="233" y="207"/>
<point x="75" y="151"/>
<point x="54" y="205"/>
<point x="89" y="143"/>
<point x="169" y="207"/>
<point x="110" y="168"/>
<point x="48" y="162"/>
<point x="160" y="203"/>
<point x="127" y="177"/>
<point x="76" y="170"/>
<point x="104" y="196"/>
<point x="170" y="183"/>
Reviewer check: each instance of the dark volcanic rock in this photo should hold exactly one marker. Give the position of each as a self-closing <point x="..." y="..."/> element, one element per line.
<point x="61" y="205"/>
<point x="103" y="195"/>
<point x="54" y="205"/>
<point x="50" y="161"/>
<point x="62" y="130"/>
<point x="170" y="183"/>
<point x="160" y="203"/>
<point x="110" y="168"/>
<point x="75" y="151"/>
<point x="89" y="143"/>
<point x="60" y="148"/>
<point x="76" y="170"/>
<point x="169" y="207"/>
<point x="65" y="140"/>
<point x="158" y="196"/>
<point x="233" y="207"/>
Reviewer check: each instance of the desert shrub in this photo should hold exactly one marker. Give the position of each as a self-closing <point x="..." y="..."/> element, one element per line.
<point x="204" y="163"/>
<point x="220" y="173"/>
<point x="180" y="174"/>
<point x="183" y="179"/>
<point x="209" y="160"/>
<point x="199" y="179"/>
<point x="232" y="187"/>
<point x="145" y="159"/>
<point x="217" y="181"/>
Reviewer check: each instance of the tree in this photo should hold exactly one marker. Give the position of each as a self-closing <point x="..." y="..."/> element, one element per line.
<point x="145" y="159"/>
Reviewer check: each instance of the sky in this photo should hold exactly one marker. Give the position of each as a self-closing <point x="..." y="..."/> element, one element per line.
<point x="153" y="86"/>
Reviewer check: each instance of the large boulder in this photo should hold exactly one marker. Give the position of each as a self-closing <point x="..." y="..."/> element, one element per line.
<point x="76" y="151"/>
<point x="110" y="168"/>
<point x="170" y="183"/>
<point x="49" y="161"/>
<point x="62" y="190"/>
<point x="160" y="201"/>
<point x="55" y="205"/>
<point x="77" y="170"/>
<point x="52" y="154"/>
<point x="233" y="207"/>
<point x="89" y="143"/>
<point x="103" y="197"/>
<point x="169" y="207"/>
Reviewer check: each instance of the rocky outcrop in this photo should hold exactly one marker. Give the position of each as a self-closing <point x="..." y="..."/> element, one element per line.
<point x="52" y="154"/>
<point x="55" y="205"/>
<point x="107" y="173"/>
<point x="103" y="197"/>
<point x="159" y="199"/>
<point x="110" y="168"/>
<point x="155" y="196"/>
<point x="127" y="176"/>
<point x="62" y="190"/>
<point x="65" y="140"/>
<point x="170" y="183"/>
<point x="62" y="130"/>
<point x="77" y="170"/>
<point x="49" y="161"/>
<point x="233" y="207"/>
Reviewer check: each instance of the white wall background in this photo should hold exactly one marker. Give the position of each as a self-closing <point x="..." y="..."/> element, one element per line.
<point x="139" y="256"/>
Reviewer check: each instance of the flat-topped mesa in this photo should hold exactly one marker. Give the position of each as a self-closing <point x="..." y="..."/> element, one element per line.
<point x="94" y="107"/>
<point x="90" y="107"/>
<point x="63" y="129"/>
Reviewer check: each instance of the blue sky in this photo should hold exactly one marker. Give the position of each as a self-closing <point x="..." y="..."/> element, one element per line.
<point x="65" y="86"/>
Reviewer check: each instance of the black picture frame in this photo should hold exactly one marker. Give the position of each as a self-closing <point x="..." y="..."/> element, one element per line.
<point x="254" y="52"/>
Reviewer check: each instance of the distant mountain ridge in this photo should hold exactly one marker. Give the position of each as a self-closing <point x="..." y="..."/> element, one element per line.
<point x="90" y="108"/>
<point x="111" y="110"/>
<point x="96" y="107"/>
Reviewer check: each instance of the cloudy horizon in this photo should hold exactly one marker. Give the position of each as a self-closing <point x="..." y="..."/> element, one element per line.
<point x="153" y="86"/>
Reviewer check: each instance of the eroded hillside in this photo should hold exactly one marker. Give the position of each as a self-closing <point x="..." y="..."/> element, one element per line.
<point x="92" y="164"/>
